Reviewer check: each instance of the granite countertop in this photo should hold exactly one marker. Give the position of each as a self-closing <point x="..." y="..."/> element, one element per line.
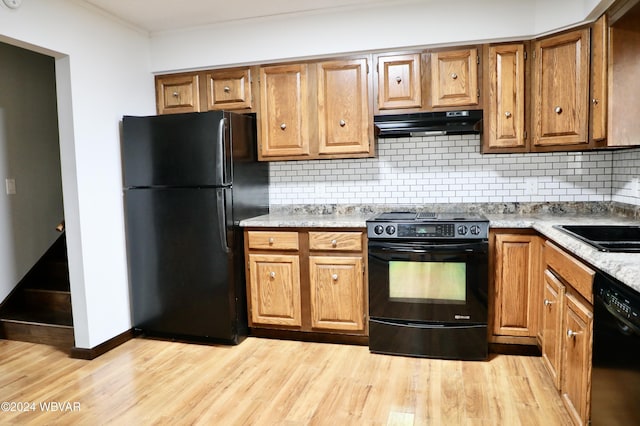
<point x="623" y="266"/>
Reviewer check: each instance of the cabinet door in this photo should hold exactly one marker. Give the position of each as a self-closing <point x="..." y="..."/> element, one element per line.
<point x="337" y="299"/>
<point x="561" y="90"/>
<point x="599" y="81"/>
<point x="516" y="285"/>
<point x="399" y="82"/>
<point x="506" y="104"/>
<point x="177" y="94"/>
<point x="284" y="129"/>
<point x="275" y="289"/>
<point x="229" y="89"/>
<point x="576" y="365"/>
<point x="343" y="107"/>
<point x="454" y="78"/>
<point x="552" y="314"/>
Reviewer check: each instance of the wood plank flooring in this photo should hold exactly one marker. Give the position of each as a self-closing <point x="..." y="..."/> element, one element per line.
<point x="269" y="382"/>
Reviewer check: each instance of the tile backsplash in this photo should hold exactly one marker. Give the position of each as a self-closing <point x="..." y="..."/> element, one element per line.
<point x="450" y="169"/>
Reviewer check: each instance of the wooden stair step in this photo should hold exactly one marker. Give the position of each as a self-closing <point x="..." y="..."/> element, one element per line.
<point x="44" y="299"/>
<point x="36" y="316"/>
<point x="49" y="334"/>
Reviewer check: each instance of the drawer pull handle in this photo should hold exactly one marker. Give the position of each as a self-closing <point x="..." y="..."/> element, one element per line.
<point x="571" y="333"/>
<point x="334" y="277"/>
<point x="334" y="243"/>
<point x="272" y="274"/>
<point x="227" y="89"/>
<point x="175" y="94"/>
<point x="283" y="126"/>
<point x="343" y="123"/>
<point x="548" y="302"/>
<point x="271" y="240"/>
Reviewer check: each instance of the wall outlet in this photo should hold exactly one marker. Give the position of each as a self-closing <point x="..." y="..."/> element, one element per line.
<point x="530" y="187"/>
<point x="10" y="185"/>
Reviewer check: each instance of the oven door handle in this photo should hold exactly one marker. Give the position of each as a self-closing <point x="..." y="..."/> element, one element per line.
<point x="426" y="325"/>
<point x="427" y="248"/>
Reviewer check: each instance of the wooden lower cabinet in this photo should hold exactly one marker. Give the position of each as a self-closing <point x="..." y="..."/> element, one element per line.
<point x="576" y="361"/>
<point x="567" y="329"/>
<point x="552" y="314"/>
<point x="516" y="286"/>
<point x="336" y="292"/>
<point x="275" y="289"/>
<point x="307" y="280"/>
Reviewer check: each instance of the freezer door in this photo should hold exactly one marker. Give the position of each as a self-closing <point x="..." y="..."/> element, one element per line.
<point x="181" y="273"/>
<point x="174" y="150"/>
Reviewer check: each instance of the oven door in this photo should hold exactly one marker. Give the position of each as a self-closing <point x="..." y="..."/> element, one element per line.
<point x="435" y="281"/>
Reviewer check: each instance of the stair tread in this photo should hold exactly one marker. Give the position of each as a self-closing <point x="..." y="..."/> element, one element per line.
<point x="54" y="318"/>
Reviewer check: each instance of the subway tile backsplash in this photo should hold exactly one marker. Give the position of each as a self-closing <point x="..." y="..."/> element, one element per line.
<point x="450" y="169"/>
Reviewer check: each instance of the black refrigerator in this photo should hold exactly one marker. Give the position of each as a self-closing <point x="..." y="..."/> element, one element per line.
<point x="188" y="181"/>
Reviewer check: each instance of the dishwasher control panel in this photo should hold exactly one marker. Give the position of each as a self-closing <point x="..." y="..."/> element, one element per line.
<point x="621" y="305"/>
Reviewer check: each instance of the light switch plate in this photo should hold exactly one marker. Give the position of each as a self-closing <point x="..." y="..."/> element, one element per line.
<point x="10" y="185"/>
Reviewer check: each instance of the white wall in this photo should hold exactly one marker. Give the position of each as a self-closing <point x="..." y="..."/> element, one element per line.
<point x="102" y="72"/>
<point x="398" y="24"/>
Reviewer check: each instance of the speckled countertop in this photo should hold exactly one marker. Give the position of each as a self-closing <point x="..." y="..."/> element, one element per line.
<point x="623" y="266"/>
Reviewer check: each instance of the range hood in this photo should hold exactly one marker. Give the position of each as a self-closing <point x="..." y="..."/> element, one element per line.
<point x="428" y="123"/>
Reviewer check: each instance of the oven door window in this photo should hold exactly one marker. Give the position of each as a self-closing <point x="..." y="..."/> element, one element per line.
<point x="428" y="282"/>
<point x="440" y="283"/>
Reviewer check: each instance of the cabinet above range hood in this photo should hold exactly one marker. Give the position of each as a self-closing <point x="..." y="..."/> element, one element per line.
<point x="428" y="124"/>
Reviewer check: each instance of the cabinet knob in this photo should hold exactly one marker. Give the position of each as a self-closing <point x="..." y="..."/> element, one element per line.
<point x="571" y="333"/>
<point x="283" y="126"/>
<point x="271" y="240"/>
<point x="595" y="101"/>
<point x="342" y="123"/>
<point x="398" y="80"/>
<point x="272" y="274"/>
<point x="547" y="302"/>
<point x="334" y="243"/>
<point x="175" y="94"/>
<point x="227" y="89"/>
<point x="454" y="75"/>
<point x="507" y="114"/>
<point x="558" y="110"/>
<point x="334" y="277"/>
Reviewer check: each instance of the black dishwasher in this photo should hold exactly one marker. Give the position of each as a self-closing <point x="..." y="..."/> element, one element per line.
<point x="615" y="390"/>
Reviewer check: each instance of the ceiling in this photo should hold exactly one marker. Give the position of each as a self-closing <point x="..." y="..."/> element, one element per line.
<point x="165" y="15"/>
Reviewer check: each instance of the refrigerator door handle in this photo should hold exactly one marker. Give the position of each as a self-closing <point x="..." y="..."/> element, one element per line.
<point x="220" y="155"/>
<point x="222" y="219"/>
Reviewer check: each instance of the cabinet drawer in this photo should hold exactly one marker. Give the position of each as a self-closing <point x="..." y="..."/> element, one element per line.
<point x="575" y="273"/>
<point x="336" y="241"/>
<point x="273" y="240"/>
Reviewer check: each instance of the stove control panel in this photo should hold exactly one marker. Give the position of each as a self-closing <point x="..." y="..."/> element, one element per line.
<point x="422" y="230"/>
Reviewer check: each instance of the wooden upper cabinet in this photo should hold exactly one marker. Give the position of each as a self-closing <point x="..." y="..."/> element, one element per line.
<point x="454" y="78"/>
<point x="284" y="129"/>
<point x="561" y="90"/>
<point x="399" y="81"/>
<point x="599" y="79"/>
<point x="344" y="118"/>
<point x="229" y="89"/>
<point x="177" y="93"/>
<point x="505" y="110"/>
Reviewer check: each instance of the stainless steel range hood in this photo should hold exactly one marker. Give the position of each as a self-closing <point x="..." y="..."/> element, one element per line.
<point x="428" y="123"/>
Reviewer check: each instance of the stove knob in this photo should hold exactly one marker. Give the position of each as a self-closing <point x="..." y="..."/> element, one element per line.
<point x="378" y="230"/>
<point x="462" y="230"/>
<point x="391" y="230"/>
<point x="475" y="230"/>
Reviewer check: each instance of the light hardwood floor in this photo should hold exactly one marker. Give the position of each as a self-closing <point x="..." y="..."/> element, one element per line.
<point x="271" y="382"/>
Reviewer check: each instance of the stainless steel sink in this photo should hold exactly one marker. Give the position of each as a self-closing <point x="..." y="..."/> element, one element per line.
<point x="613" y="238"/>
